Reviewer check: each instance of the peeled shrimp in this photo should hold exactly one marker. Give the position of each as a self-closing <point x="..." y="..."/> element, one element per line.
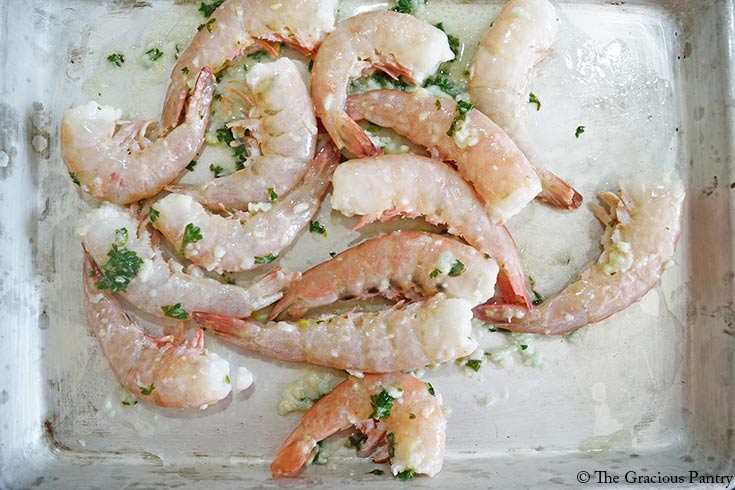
<point x="394" y="339"/>
<point x="522" y="34"/>
<point x="168" y="371"/>
<point x="115" y="161"/>
<point x="238" y="26"/>
<point x="641" y="232"/>
<point x="231" y="244"/>
<point x="398" y="44"/>
<point x="390" y="185"/>
<point x="416" y="423"/>
<point x="282" y="122"/>
<point x="485" y="156"/>
<point x="161" y="283"/>
<point x="407" y="264"/>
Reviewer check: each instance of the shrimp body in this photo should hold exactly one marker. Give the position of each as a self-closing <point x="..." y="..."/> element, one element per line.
<point x="169" y="371"/>
<point x="405" y="264"/>
<point x="238" y="26"/>
<point x="395" y="339"/>
<point x="416" y="423"/>
<point x="484" y="154"/>
<point x="231" y="244"/>
<point x="161" y="283"/>
<point x="641" y="232"/>
<point x="390" y="185"/>
<point x="399" y="44"/>
<point x="115" y="161"/>
<point x="282" y="121"/>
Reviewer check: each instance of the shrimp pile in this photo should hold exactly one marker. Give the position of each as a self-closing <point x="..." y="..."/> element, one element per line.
<point x="169" y="253"/>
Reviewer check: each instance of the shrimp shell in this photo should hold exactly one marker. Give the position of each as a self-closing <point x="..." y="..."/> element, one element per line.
<point x="390" y="185"/>
<point x="169" y="371"/>
<point x="416" y="422"/>
<point x="485" y="156"/>
<point x="641" y="232"/>
<point x="407" y="264"/>
<point x="418" y="334"/>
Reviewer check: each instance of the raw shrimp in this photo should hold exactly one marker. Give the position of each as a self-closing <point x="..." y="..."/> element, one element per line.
<point x="398" y="44"/>
<point x="160" y="283"/>
<point x="407" y="264"/>
<point x="641" y="232"/>
<point x="485" y="156"/>
<point x="522" y="34"/>
<point x="114" y="160"/>
<point x="231" y="244"/>
<point x="238" y="26"/>
<point x="415" y="425"/>
<point x="282" y="122"/>
<point x="390" y="185"/>
<point x="168" y="371"/>
<point x="395" y="339"/>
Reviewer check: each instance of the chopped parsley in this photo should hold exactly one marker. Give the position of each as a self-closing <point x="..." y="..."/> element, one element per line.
<point x="537" y="298"/>
<point x="332" y="254"/>
<point x="578" y="131"/>
<point x="224" y="135"/>
<point x="216" y="170"/>
<point x="431" y="389"/>
<point x="524" y="346"/>
<point x="191" y="165"/>
<point x="122" y="267"/>
<point x="116" y="59"/>
<point x="175" y="311"/>
<point x="176" y="54"/>
<point x="154" y="53"/>
<point x="272" y="194"/>
<point x="74" y="178"/>
<point x="487" y="257"/>
<point x="457" y="269"/>
<point x="227" y="378"/>
<point x="207" y="24"/>
<point x="207" y="9"/>
<point x="391" y="444"/>
<point x="381" y="79"/>
<point x="192" y="234"/>
<point x="376" y="472"/>
<point x="240" y="153"/>
<point x="443" y="83"/>
<point x="316" y="227"/>
<point x="435" y="273"/>
<point x="532" y="99"/>
<point x="438" y="103"/>
<point x="121" y="237"/>
<point x="405" y="475"/>
<point x="411" y="416"/>
<point x="153" y="214"/>
<point x="454" y="43"/>
<point x="266" y="259"/>
<point x="129" y="403"/>
<point x="146" y="391"/>
<point x="406" y="6"/>
<point x="185" y="70"/>
<point x="259" y="55"/>
<point x="462" y="109"/>
<point x="382" y="404"/>
<point x="473" y="364"/>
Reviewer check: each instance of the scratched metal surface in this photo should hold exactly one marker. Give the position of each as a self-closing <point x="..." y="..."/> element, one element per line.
<point x="650" y="390"/>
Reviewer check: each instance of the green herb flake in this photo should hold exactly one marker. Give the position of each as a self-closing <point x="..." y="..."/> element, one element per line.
<point x="405" y="6"/>
<point x="240" y="153"/>
<point x="382" y="404"/>
<point x="185" y="70"/>
<point x="538" y="299"/>
<point x="217" y="170"/>
<point x="153" y="214"/>
<point x="74" y="178"/>
<point x="391" y="444"/>
<point x="311" y="65"/>
<point x="146" y="391"/>
<point x="129" y="403"/>
<point x="191" y="165"/>
<point x="578" y="131"/>
<point x="524" y="346"/>
<point x="376" y="472"/>
<point x="259" y="55"/>
<point x="207" y="24"/>
<point x="332" y="254"/>
<point x="316" y="227"/>
<point x="266" y="259"/>
<point x="121" y="237"/>
<point x="116" y="59"/>
<point x="192" y="234"/>
<point x="411" y="416"/>
<point x="457" y="269"/>
<point x="443" y="83"/>
<point x="532" y="99"/>
<point x="122" y="267"/>
<point x="487" y="257"/>
<point x="438" y="104"/>
<point x="435" y="273"/>
<point x="454" y="43"/>
<point x="227" y="378"/>
<point x="473" y="364"/>
<point x="462" y="109"/>
<point x="272" y="194"/>
<point x="224" y="135"/>
<point x="175" y="311"/>
<point x="176" y="53"/>
<point x="406" y="475"/>
<point x="154" y="53"/>
<point x="431" y="389"/>
<point x="207" y="9"/>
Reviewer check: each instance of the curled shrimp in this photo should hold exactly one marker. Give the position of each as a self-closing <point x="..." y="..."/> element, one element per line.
<point x="641" y="232"/>
<point x="414" y="426"/>
<point x="485" y="156"/>
<point x="410" y="185"/>
<point x="395" y="339"/>
<point x="168" y="371"/>
<point x="238" y="26"/>
<point x="160" y="283"/>
<point x="115" y="161"/>
<point x="282" y="122"/>
<point x="522" y="34"/>
<point x="398" y="44"/>
<point x="232" y="244"/>
<point x="408" y="264"/>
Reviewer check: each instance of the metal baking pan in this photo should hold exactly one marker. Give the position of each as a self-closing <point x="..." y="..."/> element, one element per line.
<point x="646" y="394"/>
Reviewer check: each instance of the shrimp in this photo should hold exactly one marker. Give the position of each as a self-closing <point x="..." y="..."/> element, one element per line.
<point x="522" y="34"/>
<point x="282" y="121"/>
<point x="395" y="339"/>
<point x="398" y="44"/>
<point x="390" y="185"/>
<point x="229" y="244"/>
<point x="168" y="371"/>
<point x="238" y="26"/>
<point x="405" y="264"/>
<point x="641" y="232"/>
<point x="114" y="160"/>
<point x="485" y="156"/>
<point x="159" y="283"/>
<point x="414" y="425"/>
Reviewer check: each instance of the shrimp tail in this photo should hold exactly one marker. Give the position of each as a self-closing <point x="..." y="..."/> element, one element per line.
<point x="514" y="289"/>
<point x="351" y="135"/>
<point x="558" y="192"/>
<point x="291" y="457"/>
<point x="270" y="287"/>
<point x="224" y="326"/>
<point x="173" y="104"/>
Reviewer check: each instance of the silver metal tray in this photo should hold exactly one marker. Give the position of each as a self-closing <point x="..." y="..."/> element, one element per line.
<point x="648" y="393"/>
